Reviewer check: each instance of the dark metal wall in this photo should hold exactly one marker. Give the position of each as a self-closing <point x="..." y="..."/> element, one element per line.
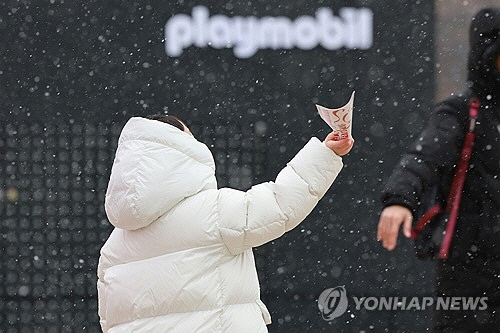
<point x="73" y="72"/>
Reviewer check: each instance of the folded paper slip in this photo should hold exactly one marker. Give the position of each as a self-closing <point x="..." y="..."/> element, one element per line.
<point x="340" y="120"/>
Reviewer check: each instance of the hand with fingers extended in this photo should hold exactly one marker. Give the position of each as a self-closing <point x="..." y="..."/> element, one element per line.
<point x="339" y="147"/>
<point x="390" y="221"/>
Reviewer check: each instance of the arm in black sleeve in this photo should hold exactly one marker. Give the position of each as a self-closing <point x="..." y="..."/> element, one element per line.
<point x="436" y="150"/>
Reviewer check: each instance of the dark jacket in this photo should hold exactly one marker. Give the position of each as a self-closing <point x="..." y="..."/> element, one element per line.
<point x="432" y="158"/>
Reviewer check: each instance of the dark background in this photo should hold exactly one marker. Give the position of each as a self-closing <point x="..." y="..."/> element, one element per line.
<point x="73" y="72"/>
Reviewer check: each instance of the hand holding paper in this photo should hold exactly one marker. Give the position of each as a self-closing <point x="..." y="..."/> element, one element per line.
<point x="340" y="120"/>
<point x="339" y="147"/>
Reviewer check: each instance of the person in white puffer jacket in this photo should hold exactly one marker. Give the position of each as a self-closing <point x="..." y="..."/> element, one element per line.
<point x="180" y="257"/>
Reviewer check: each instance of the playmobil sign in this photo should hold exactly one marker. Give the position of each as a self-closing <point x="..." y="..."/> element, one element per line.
<point x="351" y="29"/>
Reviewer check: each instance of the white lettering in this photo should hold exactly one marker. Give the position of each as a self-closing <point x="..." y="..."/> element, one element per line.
<point x="331" y="29"/>
<point x="397" y="303"/>
<point x="358" y="302"/>
<point x="427" y="301"/>
<point x="178" y="34"/>
<point x="385" y="303"/>
<point x="483" y="301"/>
<point x="353" y="29"/>
<point x="219" y="31"/>
<point x="443" y="303"/>
<point x="470" y="303"/>
<point x="413" y="304"/>
<point x="359" y="33"/>
<point x="374" y="305"/>
<point x="275" y="33"/>
<point x="455" y="303"/>
<point x="200" y="18"/>
<point x="305" y="33"/>
<point x="246" y="40"/>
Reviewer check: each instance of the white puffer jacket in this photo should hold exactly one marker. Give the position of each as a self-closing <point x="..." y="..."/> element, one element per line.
<point x="180" y="257"/>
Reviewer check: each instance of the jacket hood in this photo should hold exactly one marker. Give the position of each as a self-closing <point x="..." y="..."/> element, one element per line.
<point x="155" y="167"/>
<point x="484" y="47"/>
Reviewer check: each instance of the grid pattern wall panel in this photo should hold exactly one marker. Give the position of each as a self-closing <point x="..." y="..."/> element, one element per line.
<point x="53" y="179"/>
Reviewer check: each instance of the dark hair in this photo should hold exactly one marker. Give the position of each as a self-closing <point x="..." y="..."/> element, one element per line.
<point x="165" y="118"/>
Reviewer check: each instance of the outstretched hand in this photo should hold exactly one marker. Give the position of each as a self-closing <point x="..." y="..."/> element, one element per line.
<point x="339" y="147"/>
<point x="390" y="221"/>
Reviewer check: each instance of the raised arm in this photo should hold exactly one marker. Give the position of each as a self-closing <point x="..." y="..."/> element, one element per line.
<point x="268" y="210"/>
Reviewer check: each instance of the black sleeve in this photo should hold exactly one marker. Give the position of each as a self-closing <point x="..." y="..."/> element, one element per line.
<point x="431" y="156"/>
